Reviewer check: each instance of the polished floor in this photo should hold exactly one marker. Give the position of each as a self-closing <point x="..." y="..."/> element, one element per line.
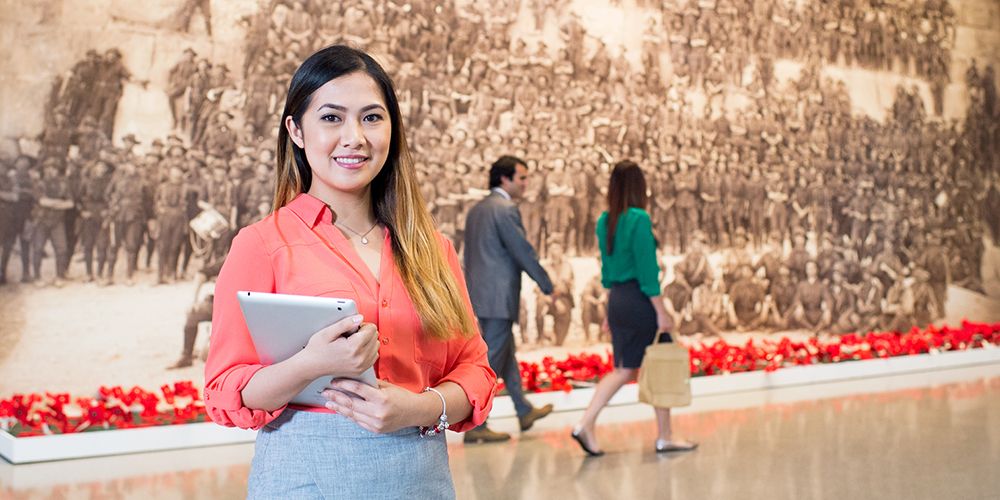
<point x="920" y="436"/>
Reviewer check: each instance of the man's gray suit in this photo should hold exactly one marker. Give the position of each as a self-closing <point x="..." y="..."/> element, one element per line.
<point x="496" y="252"/>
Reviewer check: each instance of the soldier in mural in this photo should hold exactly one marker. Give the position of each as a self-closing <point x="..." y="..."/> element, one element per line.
<point x="128" y="214"/>
<point x="812" y="305"/>
<point x="178" y="83"/>
<point x="54" y="196"/>
<point x="559" y="305"/>
<point x="593" y="306"/>
<point x="171" y="219"/>
<point x="19" y="230"/>
<point x="95" y="221"/>
<point x="748" y="300"/>
<point x="8" y="197"/>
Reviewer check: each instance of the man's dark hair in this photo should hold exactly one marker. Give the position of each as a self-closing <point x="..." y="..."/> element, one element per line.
<point x="505" y="166"/>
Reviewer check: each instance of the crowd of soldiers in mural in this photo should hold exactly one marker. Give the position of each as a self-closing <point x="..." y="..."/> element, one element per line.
<point x="119" y="203"/>
<point x="712" y="41"/>
<point x="775" y="206"/>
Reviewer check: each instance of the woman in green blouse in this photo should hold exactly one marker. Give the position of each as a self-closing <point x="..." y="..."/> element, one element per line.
<point x="629" y="268"/>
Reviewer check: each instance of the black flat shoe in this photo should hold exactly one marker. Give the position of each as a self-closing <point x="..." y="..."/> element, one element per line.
<point x="578" y="437"/>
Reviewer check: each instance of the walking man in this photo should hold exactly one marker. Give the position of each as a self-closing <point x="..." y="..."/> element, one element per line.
<point x="496" y="252"/>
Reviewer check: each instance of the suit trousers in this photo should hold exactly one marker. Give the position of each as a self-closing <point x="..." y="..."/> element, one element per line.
<point x="499" y="337"/>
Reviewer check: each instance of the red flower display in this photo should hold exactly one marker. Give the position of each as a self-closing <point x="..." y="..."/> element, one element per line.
<point x="26" y="415"/>
<point x="720" y="357"/>
<point x="111" y="408"/>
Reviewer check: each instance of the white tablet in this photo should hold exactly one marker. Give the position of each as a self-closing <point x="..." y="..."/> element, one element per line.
<point x="281" y="325"/>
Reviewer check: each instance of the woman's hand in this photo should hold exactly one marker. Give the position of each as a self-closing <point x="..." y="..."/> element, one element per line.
<point x="384" y="409"/>
<point x="664" y="323"/>
<point x="336" y="351"/>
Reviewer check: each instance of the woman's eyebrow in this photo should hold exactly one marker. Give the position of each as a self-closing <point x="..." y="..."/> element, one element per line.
<point x="343" y="108"/>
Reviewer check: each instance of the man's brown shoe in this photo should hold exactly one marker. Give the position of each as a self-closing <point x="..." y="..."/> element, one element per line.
<point x="485" y="435"/>
<point x="536" y="413"/>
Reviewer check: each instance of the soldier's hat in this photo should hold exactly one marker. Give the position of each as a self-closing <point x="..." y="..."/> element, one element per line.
<point x="51" y="161"/>
<point x="174" y="140"/>
<point x="89" y="121"/>
<point x="157" y="143"/>
<point x="130" y="138"/>
<point x="191" y="51"/>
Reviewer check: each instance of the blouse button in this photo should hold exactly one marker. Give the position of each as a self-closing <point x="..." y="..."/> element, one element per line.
<point x="385" y="341"/>
<point x="385" y="303"/>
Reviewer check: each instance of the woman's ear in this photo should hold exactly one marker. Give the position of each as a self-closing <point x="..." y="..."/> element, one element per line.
<point x="294" y="132"/>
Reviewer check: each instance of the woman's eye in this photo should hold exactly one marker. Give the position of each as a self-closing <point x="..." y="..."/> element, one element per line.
<point x="330" y="118"/>
<point x="374" y="117"/>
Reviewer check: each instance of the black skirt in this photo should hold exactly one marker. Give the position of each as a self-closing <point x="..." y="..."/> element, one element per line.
<point x="632" y="320"/>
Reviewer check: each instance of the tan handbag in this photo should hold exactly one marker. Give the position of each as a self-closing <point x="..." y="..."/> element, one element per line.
<point x="665" y="375"/>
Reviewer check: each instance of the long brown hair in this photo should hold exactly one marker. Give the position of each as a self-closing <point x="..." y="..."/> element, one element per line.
<point x="626" y="189"/>
<point x="395" y="194"/>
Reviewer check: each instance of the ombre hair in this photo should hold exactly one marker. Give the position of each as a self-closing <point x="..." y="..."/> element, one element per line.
<point x="395" y="194"/>
<point x="627" y="188"/>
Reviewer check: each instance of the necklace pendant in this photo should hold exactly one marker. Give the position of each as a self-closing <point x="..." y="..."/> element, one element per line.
<point x="364" y="241"/>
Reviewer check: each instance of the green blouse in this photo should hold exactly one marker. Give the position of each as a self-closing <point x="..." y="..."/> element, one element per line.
<point x="635" y="252"/>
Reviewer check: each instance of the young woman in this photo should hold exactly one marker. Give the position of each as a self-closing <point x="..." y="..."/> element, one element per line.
<point x="636" y="312"/>
<point x="348" y="221"/>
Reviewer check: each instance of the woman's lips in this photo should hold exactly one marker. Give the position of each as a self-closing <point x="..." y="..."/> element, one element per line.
<point x="351" y="162"/>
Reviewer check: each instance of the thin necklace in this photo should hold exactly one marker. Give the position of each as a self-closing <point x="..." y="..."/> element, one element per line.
<point x="364" y="237"/>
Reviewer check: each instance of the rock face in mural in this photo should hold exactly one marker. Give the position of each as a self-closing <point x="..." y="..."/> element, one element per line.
<point x="819" y="167"/>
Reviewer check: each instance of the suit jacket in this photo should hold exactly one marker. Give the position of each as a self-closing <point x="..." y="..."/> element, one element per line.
<point x="496" y="251"/>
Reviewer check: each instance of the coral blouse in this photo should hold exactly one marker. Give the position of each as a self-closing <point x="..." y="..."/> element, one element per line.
<point x="297" y="250"/>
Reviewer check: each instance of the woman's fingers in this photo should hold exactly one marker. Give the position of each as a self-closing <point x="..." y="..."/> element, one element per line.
<point x="338" y="329"/>
<point x="363" y="390"/>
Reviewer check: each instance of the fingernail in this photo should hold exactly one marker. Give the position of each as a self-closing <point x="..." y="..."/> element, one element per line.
<point x="357" y="318"/>
<point x="329" y="406"/>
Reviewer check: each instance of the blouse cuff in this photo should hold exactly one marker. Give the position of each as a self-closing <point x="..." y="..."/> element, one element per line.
<point x="224" y="405"/>
<point x="478" y="389"/>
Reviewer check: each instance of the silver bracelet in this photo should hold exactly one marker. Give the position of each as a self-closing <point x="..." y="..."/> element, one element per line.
<point x="442" y="423"/>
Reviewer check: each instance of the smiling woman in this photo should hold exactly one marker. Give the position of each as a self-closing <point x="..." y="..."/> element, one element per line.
<point x="344" y="169"/>
<point x="348" y="132"/>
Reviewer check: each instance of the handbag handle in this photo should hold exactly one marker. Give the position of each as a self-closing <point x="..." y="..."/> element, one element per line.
<point x="656" y="340"/>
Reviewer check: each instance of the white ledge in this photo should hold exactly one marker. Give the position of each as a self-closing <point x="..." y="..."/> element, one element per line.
<point x="103" y="443"/>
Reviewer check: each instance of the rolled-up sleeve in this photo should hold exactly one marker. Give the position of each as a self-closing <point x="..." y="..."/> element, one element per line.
<point x="232" y="360"/>
<point x="644" y="248"/>
<point x="468" y="363"/>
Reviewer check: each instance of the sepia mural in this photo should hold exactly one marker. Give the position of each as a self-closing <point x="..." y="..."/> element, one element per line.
<point x="815" y="168"/>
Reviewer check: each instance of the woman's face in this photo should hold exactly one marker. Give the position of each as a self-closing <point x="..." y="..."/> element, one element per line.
<point x="346" y="132"/>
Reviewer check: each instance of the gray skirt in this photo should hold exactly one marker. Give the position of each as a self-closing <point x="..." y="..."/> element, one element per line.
<point x="322" y="455"/>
